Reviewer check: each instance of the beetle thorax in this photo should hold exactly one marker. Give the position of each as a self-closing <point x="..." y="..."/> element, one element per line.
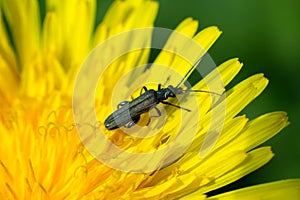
<point x="175" y="91"/>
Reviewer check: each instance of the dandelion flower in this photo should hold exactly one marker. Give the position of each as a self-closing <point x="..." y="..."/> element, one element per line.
<point x="41" y="154"/>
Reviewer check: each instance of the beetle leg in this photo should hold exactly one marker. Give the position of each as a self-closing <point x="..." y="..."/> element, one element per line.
<point x="144" y="88"/>
<point x="159" y="86"/>
<point x="168" y="103"/>
<point x="123" y="103"/>
<point x="158" y="115"/>
<point x="132" y="123"/>
<point x="158" y="112"/>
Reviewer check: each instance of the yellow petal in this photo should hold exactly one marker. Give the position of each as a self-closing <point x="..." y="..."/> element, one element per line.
<point x="285" y="189"/>
<point x="52" y="35"/>
<point x="187" y="27"/>
<point x="6" y="50"/>
<point x="24" y="23"/>
<point x="226" y="72"/>
<point x="171" y="188"/>
<point x="125" y="15"/>
<point x="215" y="82"/>
<point x="176" y="42"/>
<point x="211" y="168"/>
<point x="231" y="129"/>
<point x="242" y="94"/>
<point x="237" y="98"/>
<point x="74" y="33"/>
<point x="47" y="72"/>
<point x="260" y="130"/>
<point x="148" y="9"/>
<point x="122" y="16"/>
<point x="128" y="13"/>
<point x="101" y="33"/>
<point x="9" y="81"/>
<point x="255" y="159"/>
<point x="205" y="39"/>
<point x="180" y="52"/>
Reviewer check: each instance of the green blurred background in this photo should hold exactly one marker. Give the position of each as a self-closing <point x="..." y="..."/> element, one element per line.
<point x="265" y="35"/>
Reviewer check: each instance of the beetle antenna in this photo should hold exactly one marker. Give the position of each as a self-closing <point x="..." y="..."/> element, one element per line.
<point x="205" y="91"/>
<point x="188" y="73"/>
